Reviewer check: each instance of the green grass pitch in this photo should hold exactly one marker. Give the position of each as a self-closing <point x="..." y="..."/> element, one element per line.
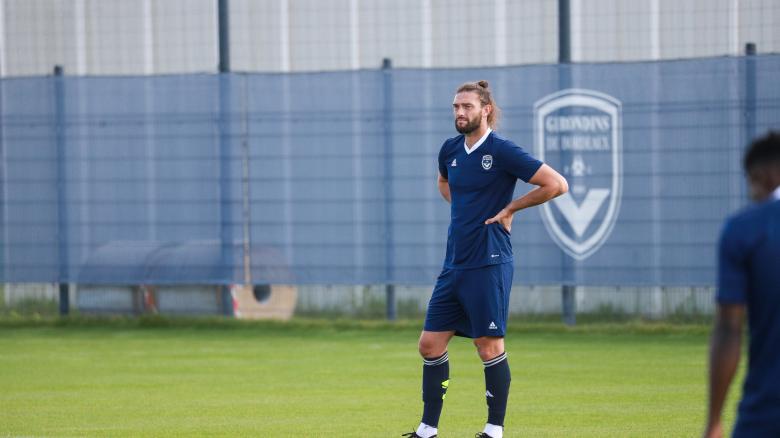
<point x="313" y="379"/>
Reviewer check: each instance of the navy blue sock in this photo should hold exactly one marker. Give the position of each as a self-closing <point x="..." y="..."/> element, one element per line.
<point x="497" y="378"/>
<point x="436" y="379"/>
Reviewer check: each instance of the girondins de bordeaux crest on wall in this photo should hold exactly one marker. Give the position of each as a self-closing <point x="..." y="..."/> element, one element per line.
<point x="578" y="133"/>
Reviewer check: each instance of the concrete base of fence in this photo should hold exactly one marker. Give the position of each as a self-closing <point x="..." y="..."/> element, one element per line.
<point x="411" y="301"/>
<point x="366" y="301"/>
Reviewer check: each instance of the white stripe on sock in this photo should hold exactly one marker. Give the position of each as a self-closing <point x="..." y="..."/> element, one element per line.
<point x="495" y="360"/>
<point x="438" y="361"/>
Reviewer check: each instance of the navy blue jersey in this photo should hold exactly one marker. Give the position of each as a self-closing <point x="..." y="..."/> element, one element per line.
<point x="749" y="273"/>
<point x="482" y="183"/>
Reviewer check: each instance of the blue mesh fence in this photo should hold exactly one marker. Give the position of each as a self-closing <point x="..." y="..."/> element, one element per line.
<point x="318" y="178"/>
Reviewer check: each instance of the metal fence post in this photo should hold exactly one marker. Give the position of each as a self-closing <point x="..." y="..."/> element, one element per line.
<point x="224" y="35"/>
<point x="568" y="303"/>
<point x="387" y="80"/>
<point x="225" y="174"/>
<point x="3" y="199"/>
<point x="564" y="32"/>
<point x="62" y="204"/>
<point x="750" y="92"/>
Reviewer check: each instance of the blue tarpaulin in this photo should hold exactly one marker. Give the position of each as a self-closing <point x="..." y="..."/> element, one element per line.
<point x="329" y="178"/>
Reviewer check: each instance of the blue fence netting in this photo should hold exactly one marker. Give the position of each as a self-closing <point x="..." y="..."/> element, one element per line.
<point x="329" y="178"/>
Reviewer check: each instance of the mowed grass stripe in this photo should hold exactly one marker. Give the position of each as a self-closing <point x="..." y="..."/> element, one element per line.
<point x="314" y="380"/>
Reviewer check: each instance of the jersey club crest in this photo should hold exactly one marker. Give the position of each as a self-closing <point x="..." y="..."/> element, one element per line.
<point x="578" y="132"/>
<point x="487" y="162"/>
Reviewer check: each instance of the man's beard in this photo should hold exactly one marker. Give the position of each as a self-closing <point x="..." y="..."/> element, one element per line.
<point x="471" y="126"/>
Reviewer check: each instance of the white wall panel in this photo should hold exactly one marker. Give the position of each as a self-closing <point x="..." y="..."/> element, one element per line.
<point x="114" y="37"/>
<point x="185" y="36"/>
<point x="615" y="30"/>
<point x="255" y="35"/>
<point x="695" y="28"/>
<point x="179" y="36"/>
<point x="319" y="35"/>
<point x="39" y="34"/>
<point x="391" y="29"/>
<point x="760" y="23"/>
<point x="463" y="33"/>
<point x="532" y="32"/>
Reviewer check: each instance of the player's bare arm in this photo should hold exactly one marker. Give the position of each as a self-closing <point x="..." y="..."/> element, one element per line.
<point x="550" y="184"/>
<point x="725" y="348"/>
<point x="444" y="188"/>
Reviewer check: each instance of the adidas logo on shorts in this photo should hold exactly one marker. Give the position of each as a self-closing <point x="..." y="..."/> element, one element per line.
<point x="492" y="326"/>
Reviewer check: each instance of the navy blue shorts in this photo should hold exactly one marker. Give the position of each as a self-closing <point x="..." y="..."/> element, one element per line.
<point x="473" y="302"/>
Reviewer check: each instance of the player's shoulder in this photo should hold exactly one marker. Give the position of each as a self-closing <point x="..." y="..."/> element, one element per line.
<point x="758" y="212"/>
<point x="751" y="219"/>
<point x="503" y="146"/>
<point x="501" y="142"/>
<point x="452" y="142"/>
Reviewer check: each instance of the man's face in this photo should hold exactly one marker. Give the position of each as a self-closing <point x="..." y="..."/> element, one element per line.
<point x="762" y="181"/>
<point x="469" y="112"/>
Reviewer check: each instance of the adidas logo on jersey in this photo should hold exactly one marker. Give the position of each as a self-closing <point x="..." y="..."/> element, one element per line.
<point x="454" y="163"/>
<point x="493" y="326"/>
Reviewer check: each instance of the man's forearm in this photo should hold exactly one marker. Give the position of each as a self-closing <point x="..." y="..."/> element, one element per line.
<point x="537" y="196"/>
<point x="444" y="189"/>
<point x="725" y="349"/>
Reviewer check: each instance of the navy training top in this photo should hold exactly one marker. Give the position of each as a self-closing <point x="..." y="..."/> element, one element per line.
<point x="749" y="274"/>
<point x="482" y="183"/>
